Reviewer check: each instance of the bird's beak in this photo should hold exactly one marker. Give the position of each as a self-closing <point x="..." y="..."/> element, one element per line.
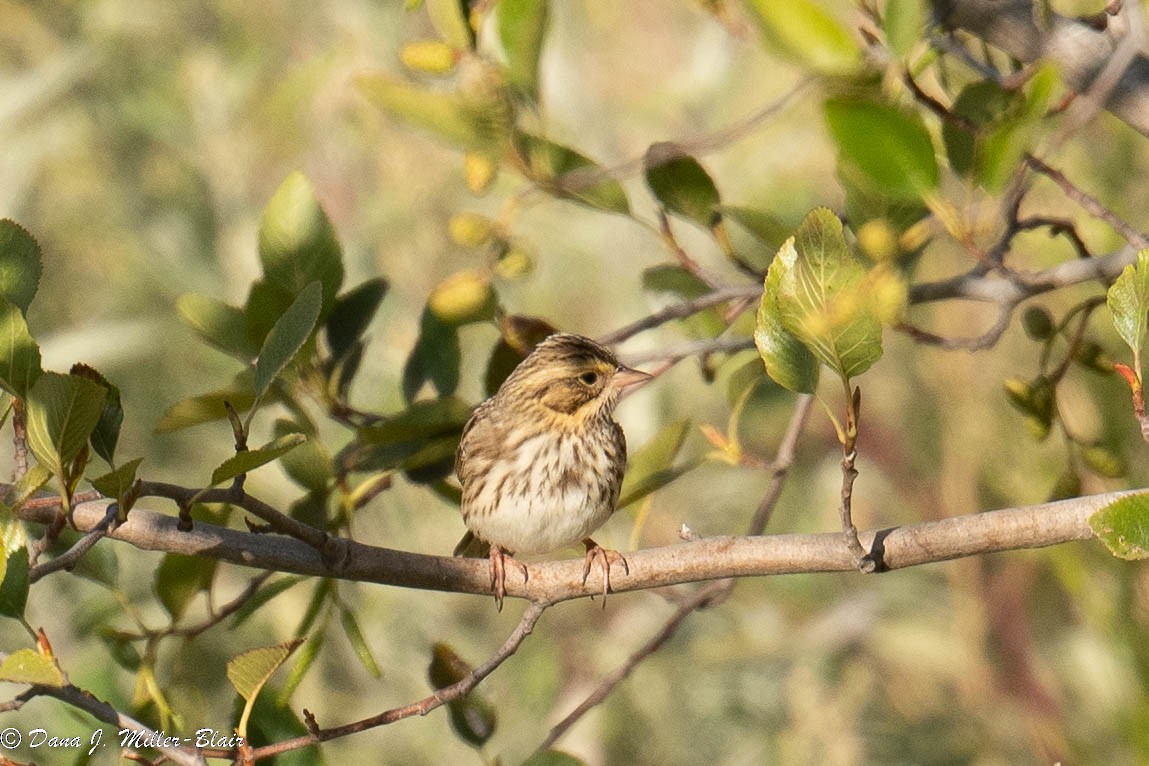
<point x="624" y="377"/>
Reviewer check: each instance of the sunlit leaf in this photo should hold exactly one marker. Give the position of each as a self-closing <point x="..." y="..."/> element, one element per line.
<point x="116" y="483"/>
<point x="20" y="265"/>
<point x="1123" y="526"/>
<point x="19" y="354"/>
<point x="1128" y="300"/>
<point x="27" y="666"/>
<point x="522" y="26"/>
<point x="789" y="363"/>
<point x="429" y="56"/>
<point x="249" y="460"/>
<point x="287" y="336"/>
<point x="553" y="758"/>
<point x="249" y="671"/>
<point x="805" y="32"/>
<point x="891" y="147"/>
<point x="297" y="243"/>
<point x="205" y="408"/>
<point x="464" y="297"/>
<point x="63" y="410"/>
<point x="180" y="578"/>
<point x="449" y="18"/>
<point x="28" y="485"/>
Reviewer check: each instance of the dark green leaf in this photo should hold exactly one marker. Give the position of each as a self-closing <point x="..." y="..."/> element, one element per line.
<point x="27" y="666"/>
<point x="107" y="432"/>
<point x="684" y="286"/>
<point x="14" y="588"/>
<point x="249" y="460"/>
<point x="297" y="243"/>
<point x="520" y="334"/>
<point x="358" y="642"/>
<point x="352" y="314"/>
<point x="681" y="184"/>
<point x="569" y="174"/>
<point x="435" y="358"/>
<point x="1123" y="526"/>
<point x="116" y="483"/>
<point x="522" y="28"/>
<point x="472" y="717"/>
<point x="805" y="32"/>
<point x="221" y="325"/>
<point x="180" y="578"/>
<point x="265" y="304"/>
<point x="892" y="148"/>
<point x="980" y="103"/>
<point x="287" y="336"/>
<point x="63" y="410"/>
<point x="309" y="465"/>
<point x="20" y="265"/>
<point x="755" y="234"/>
<point x="19" y="354"/>
<point x="423" y="436"/>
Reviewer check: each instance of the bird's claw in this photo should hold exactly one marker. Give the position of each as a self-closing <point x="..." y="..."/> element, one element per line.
<point x="499" y="559"/>
<point x="595" y="552"/>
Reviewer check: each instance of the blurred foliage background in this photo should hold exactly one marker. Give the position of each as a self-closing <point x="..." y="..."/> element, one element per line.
<point x="140" y="144"/>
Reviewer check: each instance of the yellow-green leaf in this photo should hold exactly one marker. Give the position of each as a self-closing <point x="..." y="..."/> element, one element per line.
<point x="1128" y="300"/>
<point x="1123" y="526"/>
<point x="805" y="32"/>
<point x="19" y="354"/>
<point x="63" y="410"/>
<point x="249" y="671"/>
<point x="27" y="666"/>
<point x="287" y="336"/>
<point x="249" y="460"/>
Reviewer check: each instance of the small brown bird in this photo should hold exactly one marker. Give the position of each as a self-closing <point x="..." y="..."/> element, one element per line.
<point x="541" y="461"/>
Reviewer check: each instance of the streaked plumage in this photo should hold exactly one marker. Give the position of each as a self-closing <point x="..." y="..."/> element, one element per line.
<point x="541" y="461"/>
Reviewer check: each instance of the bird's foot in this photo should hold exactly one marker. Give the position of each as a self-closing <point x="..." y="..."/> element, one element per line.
<point x="595" y="552"/>
<point x="499" y="558"/>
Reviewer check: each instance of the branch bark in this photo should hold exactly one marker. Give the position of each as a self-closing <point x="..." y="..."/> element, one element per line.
<point x="550" y="582"/>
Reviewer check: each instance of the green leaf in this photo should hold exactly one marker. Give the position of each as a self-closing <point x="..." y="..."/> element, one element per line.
<point x="904" y="24"/>
<point x="180" y="578"/>
<point x="218" y="323"/>
<point x="890" y="147"/>
<point x="1128" y="301"/>
<point x="307" y="656"/>
<point x="449" y="17"/>
<point x="652" y="467"/>
<point x="553" y="758"/>
<point x="980" y="103"/>
<point x="358" y="642"/>
<point x="287" y="336"/>
<point x="309" y="465"/>
<point x="107" y="432"/>
<point x="117" y="483"/>
<point x="63" y="411"/>
<point x="297" y="243"/>
<point x="472" y="717"/>
<point x="425" y="434"/>
<point x="19" y="354"/>
<point x="27" y="666"/>
<point x="819" y="288"/>
<point x="788" y="361"/>
<point x="755" y="234"/>
<point x="28" y="485"/>
<point x="569" y="174"/>
<point x="208" y="407"/>
<point x="436" y="358"/>
<point x="248" y="672"/>
<point x="522" y="26"/>
<point x="20" y="265"/>
<point x="249" y="460"/>
<point x="681" y="184"/>
<point x="1123" y="526"/>
<point x="351" y="314"/>
<point x="265" y="594"/>
<point x="449" y="116"/>
<point x="803" y="31"/>
<point x="14" y="588"/>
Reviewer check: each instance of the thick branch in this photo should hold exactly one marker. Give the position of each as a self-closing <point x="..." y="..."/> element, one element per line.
<point x="552" y="581"/>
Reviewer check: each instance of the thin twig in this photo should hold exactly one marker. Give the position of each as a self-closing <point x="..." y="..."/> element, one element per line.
<point x="1088" y="202"/>
<point x="680" y="311"/>
<point x="68" y="559"/>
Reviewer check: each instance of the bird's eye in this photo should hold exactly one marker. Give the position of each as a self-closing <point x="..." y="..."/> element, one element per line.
<point x="589" y="378"/>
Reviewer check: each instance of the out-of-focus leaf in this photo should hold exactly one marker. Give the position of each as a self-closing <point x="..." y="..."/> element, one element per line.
<point x="681" y="184"/>
<point x="569" y="174"/>
<point x="14" y="587"/>
<point x="553" y="758"/>
<point x="435" y="358"/>
<point x="472" y="717"/>
<point x="480" y="169"/>
<point x="980" y="103"/>
<point x="520" y="334"/>
<point x="352" y="313"/>
<point x="904" y="23"/>
<point x="429" y="56"/>
<point x="287" y="336"/>
<point x="1038" y="323"/>
<point x="307" y="656"/>
<point x="180" y="578"/>
<point x="892" y="148"/>
<point x="684" y="286"/>
<point x="446" y="115"/>
<point x="63" y="410"/>
<point x="522" y="26"/>
<point x="1123" y="526"/>
<point x="218" y="323"/>
<point x="449" y="17"/>
<point x="754" y="234"/>
<point x="249" y="460"/>
<point x="1128" y="300"/>
<point x="464" y="297"/>
<point x="309" y="465"/>
<point x="1037" y="400"/>
<point x="803" y="31"/>
<point x="1104" y="461"/>
<point x="20" y="265"/>
<point x="107" y="432"/>
<point x="210" y="406"/>
<point x="262" y="596"/>
<point x="652" y="467"/>
<point x="425" y="434"/>
<point x="297" y="243"/>
<point x="358" y="642"/>
<point x="27" y="666"/>
<point x="19" y="354"/>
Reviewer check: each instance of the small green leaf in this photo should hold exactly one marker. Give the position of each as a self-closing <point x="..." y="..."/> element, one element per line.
<point x="218" y="323"/>
<point x="249" y="460"/>
<point x="297" y="243"/>
<point x="805" y="32"/>
<point x="307" y="656"/>
<point x="20" y="265"/>
<point x="117" y="483"/>
<point x="447" y="115"/>
<point x="569" y="174"/>
<point x="352" y="313"/>
<point x="1123" y="526"/>
<point x="436" y="358"/>
<point x="180" y="578"/>
<point x="287" y="336"/>
<point x="890" y="147"/>
<point x="681" y="184"/>
<point x="652" y="466"/>
<point x="19" y="354"/>
<point x="265" y="594"/>
<point x="449" y="17"/>
<point x="63" y="411"/>
<point x="788" y="362"/>
<point x="208" y="407"/>
<point x="1128" y="300"/>
<point x="249" y="671"/>
<point x="107" y="432"/>
<point x="14" y="588"/>
<point x="522" y="26"/>
<point x="28" y="485"/>
<point x="308" y="465"/>
<point x="358" y="642"/>
<point x="472" y="717"/>
<point x="27" y="666"/>
<point x="904" y="24"/>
